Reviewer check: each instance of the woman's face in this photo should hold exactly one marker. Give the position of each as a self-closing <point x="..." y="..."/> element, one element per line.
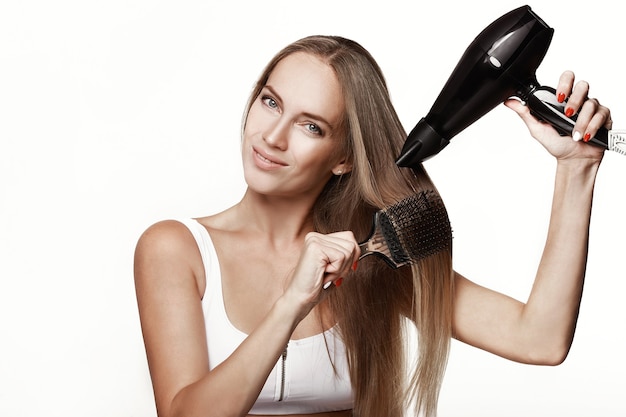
<point x="292" y="138"/>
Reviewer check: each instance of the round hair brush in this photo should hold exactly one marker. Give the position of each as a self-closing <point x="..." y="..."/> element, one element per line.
<point x="409" y="230"/>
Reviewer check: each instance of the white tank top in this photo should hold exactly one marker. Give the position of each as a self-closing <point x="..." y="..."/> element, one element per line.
<point x="303" y="380"/>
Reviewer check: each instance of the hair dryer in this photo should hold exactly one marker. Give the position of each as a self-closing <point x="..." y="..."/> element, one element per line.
<point x="500" y="63"/>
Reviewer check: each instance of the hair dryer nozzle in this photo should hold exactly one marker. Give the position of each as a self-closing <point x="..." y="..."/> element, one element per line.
<point x="422" y="143"/>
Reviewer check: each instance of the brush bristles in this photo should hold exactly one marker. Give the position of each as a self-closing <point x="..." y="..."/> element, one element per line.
<point x="416" y="227"/>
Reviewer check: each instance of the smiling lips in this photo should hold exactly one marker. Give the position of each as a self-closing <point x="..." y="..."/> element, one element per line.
<point x="265" y="161"/>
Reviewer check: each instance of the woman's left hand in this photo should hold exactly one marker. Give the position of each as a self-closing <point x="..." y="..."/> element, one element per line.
<point x="591" y="116"/>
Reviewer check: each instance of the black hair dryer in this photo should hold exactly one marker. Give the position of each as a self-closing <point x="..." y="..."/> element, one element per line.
<point x="500" y="63"/>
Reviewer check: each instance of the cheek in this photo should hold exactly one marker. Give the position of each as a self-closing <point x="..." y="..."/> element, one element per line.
<point x="255" y="118"/>
<point x="318" y="159"/>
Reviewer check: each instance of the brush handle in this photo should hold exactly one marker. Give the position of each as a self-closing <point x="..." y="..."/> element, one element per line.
<point x="543" y="104"/>
<point x="364" y="247"/>
<point x="376" y="244"/>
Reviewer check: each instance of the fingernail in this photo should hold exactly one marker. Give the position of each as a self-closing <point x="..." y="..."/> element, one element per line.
<point x="576" y="136"/>
<point x="338" y="282"/>
<point x="328" y="284"/>
<point x="355" y="265"/>
<point x="569" y="111"/>
<point x="586" y="137"/>
<point x="561" y="97"/>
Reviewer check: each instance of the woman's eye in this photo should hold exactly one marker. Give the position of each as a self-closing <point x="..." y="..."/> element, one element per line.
<point x="269" y="102"/>
<point x="313" y="128"/>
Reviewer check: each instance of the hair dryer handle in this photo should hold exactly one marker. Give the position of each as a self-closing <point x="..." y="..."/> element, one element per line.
<point x="543" y="104"/>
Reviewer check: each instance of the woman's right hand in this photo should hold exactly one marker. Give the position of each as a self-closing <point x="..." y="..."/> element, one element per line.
<point x="591" y="116"/>
<point x="325" y="258"/>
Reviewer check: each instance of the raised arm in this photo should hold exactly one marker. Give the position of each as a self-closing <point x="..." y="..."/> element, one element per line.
<point x="541" y="330"/>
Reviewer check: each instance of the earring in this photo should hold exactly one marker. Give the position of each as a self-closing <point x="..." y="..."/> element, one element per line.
<point x="339" y="172"/>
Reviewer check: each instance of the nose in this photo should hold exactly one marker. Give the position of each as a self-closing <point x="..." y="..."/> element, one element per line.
<point x="276" y="134"/>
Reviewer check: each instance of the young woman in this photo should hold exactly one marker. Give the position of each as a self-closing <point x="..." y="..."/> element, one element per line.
<point x="263" y="309"/>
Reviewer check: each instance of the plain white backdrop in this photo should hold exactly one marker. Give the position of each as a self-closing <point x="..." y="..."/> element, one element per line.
<point x="117" y="114"/>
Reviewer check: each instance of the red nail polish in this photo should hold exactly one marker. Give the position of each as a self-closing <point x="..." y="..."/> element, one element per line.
<point x="338" y="282"/>
<point x="561" y="97"/>
<point x="569" y="112"/>
<point x="586" y="137"/>
<point x="355" y="265"/>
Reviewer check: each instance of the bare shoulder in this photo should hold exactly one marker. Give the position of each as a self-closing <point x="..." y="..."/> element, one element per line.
<point x="167" y="238"/>
<point x="167" y="248"/>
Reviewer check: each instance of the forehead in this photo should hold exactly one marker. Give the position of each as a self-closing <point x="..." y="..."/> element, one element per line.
<point x="305" y="83"/>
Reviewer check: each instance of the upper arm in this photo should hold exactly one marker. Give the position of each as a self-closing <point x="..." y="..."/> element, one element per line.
<point x="488" y="320"/>
<point x="167" y="264"/>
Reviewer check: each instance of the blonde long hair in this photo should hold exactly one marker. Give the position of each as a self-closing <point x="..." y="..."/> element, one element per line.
<point x="371" y="308"/>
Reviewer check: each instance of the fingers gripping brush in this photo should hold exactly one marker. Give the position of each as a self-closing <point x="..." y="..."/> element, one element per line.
<point x="409" y="230"/>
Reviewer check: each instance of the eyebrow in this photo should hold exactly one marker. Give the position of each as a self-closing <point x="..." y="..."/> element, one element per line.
<point x="314" y="116"/>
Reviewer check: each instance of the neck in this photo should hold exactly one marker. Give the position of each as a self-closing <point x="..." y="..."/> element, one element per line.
<point x="278" y="218"/>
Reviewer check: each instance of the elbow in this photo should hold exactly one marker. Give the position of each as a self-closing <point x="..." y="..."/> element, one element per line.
<point x="555" y="359"/>
<point x="552" y="354"/>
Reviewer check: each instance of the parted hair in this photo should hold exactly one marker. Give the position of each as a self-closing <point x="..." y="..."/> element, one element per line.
<point x="375" y="306"/>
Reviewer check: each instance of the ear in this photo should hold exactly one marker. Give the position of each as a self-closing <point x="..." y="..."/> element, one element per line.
<point x="342" y="167"/>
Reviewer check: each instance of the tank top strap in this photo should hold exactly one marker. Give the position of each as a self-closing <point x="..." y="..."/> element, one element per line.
<point x="208" y="254"/>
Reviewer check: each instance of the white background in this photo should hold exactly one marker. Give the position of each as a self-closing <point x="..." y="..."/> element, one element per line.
<point x="116" y="114"/>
